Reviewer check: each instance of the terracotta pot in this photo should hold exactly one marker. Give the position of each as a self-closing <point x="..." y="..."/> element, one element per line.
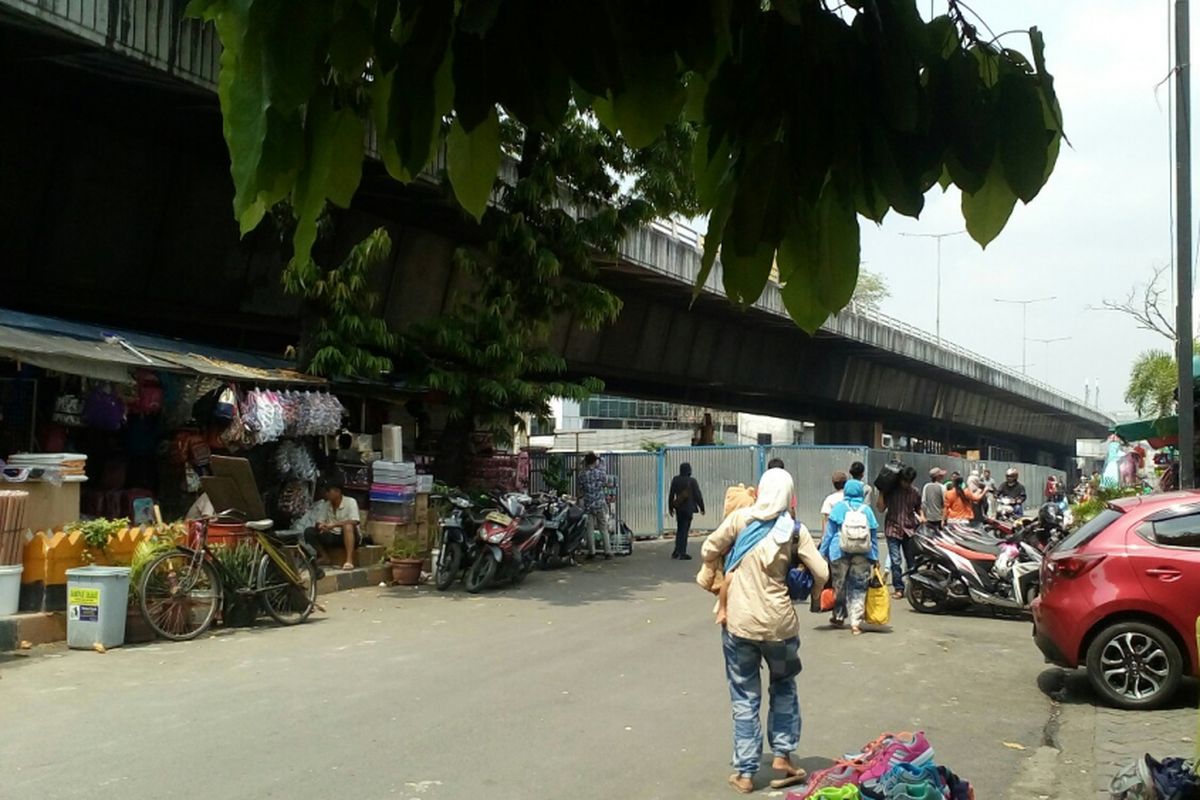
<point x="137" y="630"/>
<point x="406" y="571"/>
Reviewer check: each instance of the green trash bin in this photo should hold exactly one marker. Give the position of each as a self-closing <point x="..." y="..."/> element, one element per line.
<point x="97" y="599"/>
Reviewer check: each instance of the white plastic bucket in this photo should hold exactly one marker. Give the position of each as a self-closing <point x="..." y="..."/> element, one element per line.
<point x="10" y="589"/>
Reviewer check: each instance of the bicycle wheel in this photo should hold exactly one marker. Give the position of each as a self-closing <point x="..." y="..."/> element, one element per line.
<point x="288" y="603"/>
<point x="180" y="595"/>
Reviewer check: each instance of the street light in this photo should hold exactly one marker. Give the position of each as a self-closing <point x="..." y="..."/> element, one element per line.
<point x="938" y="237"/>
<point x="1049" y="342"/>
<point x="1024" y="304"/>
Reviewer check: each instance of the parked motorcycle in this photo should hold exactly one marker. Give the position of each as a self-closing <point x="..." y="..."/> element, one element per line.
<point x="566" y="532"/>
<point x="509" y="540"/>
<point x="951" y="570"/>
<point x="459" y="542"/>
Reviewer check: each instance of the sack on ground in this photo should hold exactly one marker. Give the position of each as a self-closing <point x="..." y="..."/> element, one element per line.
<point x="879" y="603"/>
<point x="855" y="535"/>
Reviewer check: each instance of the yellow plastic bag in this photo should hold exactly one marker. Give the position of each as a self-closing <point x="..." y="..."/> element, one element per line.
<point x="879" y="601"/>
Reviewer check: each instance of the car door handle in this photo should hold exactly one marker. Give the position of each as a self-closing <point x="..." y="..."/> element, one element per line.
<point x="1165" y="573"/>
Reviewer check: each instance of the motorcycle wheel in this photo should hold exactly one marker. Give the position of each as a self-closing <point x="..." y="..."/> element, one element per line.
<point x="448" y="566"/>
<point x="481" y="574"/>
<point x="923" y="600"/>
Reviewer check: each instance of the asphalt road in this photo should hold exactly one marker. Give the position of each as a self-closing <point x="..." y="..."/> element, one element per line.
<point x="602" y="681"/>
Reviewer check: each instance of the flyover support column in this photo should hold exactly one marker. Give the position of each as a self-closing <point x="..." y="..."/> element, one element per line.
<point x="858" y="433"/>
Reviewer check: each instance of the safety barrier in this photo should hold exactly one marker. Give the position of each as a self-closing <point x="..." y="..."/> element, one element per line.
<point x="644" y="479"/>
<point x="48" y="556"/>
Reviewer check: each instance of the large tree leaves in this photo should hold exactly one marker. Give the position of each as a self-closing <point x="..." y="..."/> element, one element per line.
<point x="472" y="160"/>
<point x="332" y="170"/>
<point x="1023" y="135"/>
<point x="986" y="212"/>
<point x="818" y="259"/>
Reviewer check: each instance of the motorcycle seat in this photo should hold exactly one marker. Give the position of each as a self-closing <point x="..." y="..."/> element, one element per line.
<point x="971" y="555"/>
<point x="979" y="545"/>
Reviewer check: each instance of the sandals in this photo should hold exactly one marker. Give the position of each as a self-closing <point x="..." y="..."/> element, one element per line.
<point x="348" y="565"/>
<point x="794" y="777"/>
<point x="735" y="780"/>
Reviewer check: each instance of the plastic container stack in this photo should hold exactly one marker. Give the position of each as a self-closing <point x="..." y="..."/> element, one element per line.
<point x="393" y="491"/>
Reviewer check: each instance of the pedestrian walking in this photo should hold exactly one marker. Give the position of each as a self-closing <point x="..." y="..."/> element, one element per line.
<point x="858" y="471"/>
<point x="684" y="502"/>
<point x="593" y="495"/>
<point x="762" y="625"/>
<point x="989" y="488"/>
<point x="975" y="483"/>
<point x="851" y="545"/>
<point x="839" y="479"/>
<point x="901" y="518"/>
<point x="933" y="498"/>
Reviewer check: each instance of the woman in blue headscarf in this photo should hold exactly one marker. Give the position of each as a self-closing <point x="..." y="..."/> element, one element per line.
<point x="852" y="555"/>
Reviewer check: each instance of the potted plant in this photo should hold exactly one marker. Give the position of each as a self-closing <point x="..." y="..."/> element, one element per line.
<point x="236" y="564"/>
<point x="137" y="629"/>
<point x="406" y="558"/>
<point x="96" y="534"/>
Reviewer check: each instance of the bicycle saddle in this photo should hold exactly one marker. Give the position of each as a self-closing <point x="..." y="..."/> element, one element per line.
<point x="260" y="525"/>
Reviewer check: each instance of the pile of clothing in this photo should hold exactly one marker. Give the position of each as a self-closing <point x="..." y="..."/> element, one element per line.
<point x="896" y="766"/>
<point x="1148" y="779"/>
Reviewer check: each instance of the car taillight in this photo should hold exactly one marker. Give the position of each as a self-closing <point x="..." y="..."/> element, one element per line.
<point x="1075" y="565"/>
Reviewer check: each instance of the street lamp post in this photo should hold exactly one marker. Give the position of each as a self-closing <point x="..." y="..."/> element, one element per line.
<point x="938" y="237"/>
<point x="1024" y="304"/>
<point x="1049" y="342"/>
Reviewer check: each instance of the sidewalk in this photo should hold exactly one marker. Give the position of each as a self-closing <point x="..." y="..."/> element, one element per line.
<point x="48" y="627"/>
<point x="1086" y="743"/>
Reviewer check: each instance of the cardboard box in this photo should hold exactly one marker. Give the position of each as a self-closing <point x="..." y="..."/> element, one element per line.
<point x="422" y="506"/>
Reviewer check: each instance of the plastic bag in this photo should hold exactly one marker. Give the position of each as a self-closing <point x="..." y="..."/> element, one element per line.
<point x="828" y="598"/>
<point x="879" y="602"/>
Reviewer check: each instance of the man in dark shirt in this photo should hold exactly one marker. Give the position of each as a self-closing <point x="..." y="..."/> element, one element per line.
<point x="684" y="501"/>
<point x="1013" y="490"/>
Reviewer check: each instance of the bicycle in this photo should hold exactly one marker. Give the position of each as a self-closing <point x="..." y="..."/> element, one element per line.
<point x="182" y="589"/>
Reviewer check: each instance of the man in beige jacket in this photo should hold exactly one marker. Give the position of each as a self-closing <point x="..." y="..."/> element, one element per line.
<point x="762" y="625"/>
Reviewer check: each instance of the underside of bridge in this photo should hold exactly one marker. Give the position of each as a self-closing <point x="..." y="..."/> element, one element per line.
<point x="116" y="207"/>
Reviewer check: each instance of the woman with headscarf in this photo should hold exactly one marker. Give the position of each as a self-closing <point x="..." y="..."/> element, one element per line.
<point x="759" y="545"/>
<point x="851" y="571"/>
<point x="960" y="501"/>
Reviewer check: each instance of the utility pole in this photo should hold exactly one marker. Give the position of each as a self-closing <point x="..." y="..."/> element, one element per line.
<point x="938" y="237"/>
<point x="1183" y="247"/>
<point x="1049" y="342"/>
<point x="1024" y="304"/>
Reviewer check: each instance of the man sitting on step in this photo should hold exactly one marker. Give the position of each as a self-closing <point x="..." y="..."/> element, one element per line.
<point x="331" y="522"/>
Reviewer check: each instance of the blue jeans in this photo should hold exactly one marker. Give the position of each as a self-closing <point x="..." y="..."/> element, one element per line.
<point x="896" y="553"/>
<point x="743" y="661"/>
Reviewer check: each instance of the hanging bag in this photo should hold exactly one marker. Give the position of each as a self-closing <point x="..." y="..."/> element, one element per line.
<point x="879" y="602"/>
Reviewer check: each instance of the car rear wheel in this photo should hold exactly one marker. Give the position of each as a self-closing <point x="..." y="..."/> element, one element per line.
<point x="1134" y="665"/>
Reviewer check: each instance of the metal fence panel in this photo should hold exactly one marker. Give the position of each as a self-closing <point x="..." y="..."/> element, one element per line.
<point x="638" y="498"/>
<point x="715" y="469"/>
<point x="812" y="469"/>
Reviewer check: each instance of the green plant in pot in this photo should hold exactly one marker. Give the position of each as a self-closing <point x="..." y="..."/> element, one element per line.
<point x="236" y="565"/>
<point x="137" y="629"/>
<point x="96" y="534"/>
<point x="406" y="557"/>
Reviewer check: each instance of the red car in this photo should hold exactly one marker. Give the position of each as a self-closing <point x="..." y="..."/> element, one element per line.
<point x="1121" y="597"/>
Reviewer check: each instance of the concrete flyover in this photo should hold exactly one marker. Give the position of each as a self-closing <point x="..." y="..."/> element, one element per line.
<point x="858" y="376"/>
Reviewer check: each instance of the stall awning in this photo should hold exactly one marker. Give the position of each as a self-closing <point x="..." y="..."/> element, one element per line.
<point x="114" y="355"/>
<point x="1158" y="432"/>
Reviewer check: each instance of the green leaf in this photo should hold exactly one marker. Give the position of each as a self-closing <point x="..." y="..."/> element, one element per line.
<point x="758" y="204"/>
<point x="717" y="221"/>
<point x="987" y="211"/>
<point x="332" y="169"/>
<point x="350" y="40"/>
<point x="643" y="107"/>
<point x="1023" y="137"/>
<point x="709" y="169"/>
<point x="820" y="250"/>
<point x="745" y="276"/>
<point x="473" y="159"/>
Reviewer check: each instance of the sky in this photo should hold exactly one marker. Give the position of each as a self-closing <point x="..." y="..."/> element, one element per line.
<point x="1100" y="226"/>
